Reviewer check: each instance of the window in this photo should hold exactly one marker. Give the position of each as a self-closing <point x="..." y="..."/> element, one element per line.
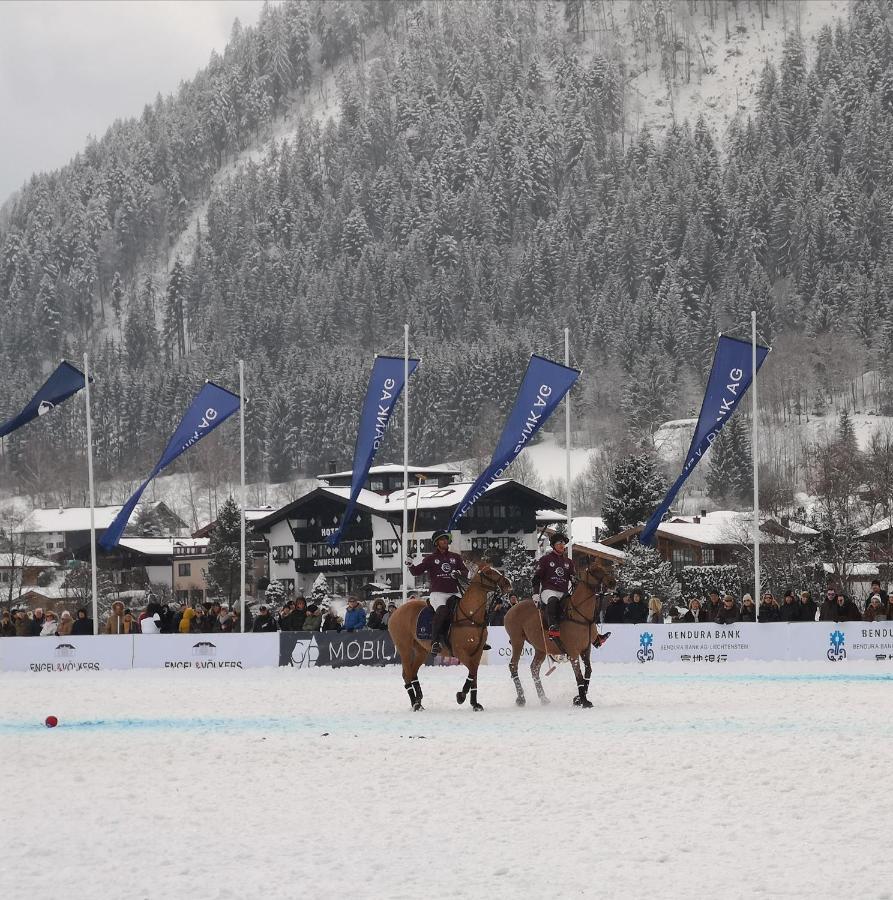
<point x="184" y="570"/>
<point x="5" y="577"/>
<point x="50" y="545"/>
<point x="376" y="484"/>
<point x="59" y="545"/>
<point x="707" y="556"/>
<point x="683" y="556"/>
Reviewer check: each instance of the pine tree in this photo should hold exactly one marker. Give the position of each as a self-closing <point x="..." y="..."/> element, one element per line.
<point x="319" y="593"/>
<point x="224" y="549"/>
<point x="643" y="569"/>
<point x="636" y="488"/>
<point x="730" y="470"/>
<point x="518" y="567"/>
<point x="274" y="595"/>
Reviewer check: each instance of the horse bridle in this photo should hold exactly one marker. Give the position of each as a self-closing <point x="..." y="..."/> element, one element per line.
<point x="486" y="579"/>
<point x="583" y="620"/>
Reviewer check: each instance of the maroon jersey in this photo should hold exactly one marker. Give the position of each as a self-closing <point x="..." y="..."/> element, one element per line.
<point x="553" y="573"/>
<point x="442" y="569"/>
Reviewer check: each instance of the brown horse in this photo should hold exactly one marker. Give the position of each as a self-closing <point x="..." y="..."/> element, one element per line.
<point x="468" y="635"/>
<point x="579" y="630"/>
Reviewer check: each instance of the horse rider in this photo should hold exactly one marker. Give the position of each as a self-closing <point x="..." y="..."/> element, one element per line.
<point x="553" y="578"/>
<point x="442" y="566"/>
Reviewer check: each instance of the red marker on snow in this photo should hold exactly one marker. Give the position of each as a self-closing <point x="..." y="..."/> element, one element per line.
<point x="51" y="722"/>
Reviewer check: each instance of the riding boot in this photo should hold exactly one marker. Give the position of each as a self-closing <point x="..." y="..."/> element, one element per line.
<point x="554" y="615"/>
<point x="438" y="628"/>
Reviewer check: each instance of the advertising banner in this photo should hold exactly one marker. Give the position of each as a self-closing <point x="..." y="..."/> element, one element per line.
<point x="304" y="649"/>
<point x="72" y="653"/>
<point x="65" y="381"/>
<point x="205" y="651"/>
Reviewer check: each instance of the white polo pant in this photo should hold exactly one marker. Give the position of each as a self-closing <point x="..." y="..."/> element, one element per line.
<point x="439" y="598"/>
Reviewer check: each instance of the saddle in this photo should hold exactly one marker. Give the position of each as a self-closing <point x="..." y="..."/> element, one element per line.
<point x="424" y="629"/>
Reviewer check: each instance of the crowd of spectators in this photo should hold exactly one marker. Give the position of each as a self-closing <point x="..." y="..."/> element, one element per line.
<point x="299" y="615"/>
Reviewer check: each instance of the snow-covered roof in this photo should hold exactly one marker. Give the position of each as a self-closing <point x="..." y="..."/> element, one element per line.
<point x="878" y="527"/>
<point x="716" y="528"/>
<point x="71" y="518"/>
<point x="201" y="542"/>
<point x="432" y="497"/>
<point x="15" y="561"/>
<point x="599" y="547"/>
<point x="395" y="469"/>
<point x="797" y="527"/>
<point x="585" y="527"/>
<point x="855" y="569"/>
<point x="260" y="512"/>
<point x="550" y="515"/>
<point x="149" y="546"/>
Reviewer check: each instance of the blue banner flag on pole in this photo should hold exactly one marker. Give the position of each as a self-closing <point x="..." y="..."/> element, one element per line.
<point x="64" y="382"/>
<point x="543" y="388"/>
<point x="730" y="376"/>
<point x="212" y="406"/>
<point x="385" y="385"/>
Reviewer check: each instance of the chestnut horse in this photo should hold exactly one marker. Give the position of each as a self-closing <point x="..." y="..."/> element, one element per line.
<point x="468" y="635"/>
<point x="579" y="630"/>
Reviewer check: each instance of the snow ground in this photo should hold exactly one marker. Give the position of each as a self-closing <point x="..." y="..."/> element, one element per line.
<point x="760" y="780"/>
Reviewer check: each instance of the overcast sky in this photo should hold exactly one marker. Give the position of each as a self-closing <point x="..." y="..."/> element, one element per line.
<point x="68" y="69"/>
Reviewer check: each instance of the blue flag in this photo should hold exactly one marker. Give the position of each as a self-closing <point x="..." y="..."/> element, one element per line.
<point x="385" y="385"/>
<point x="543" y="388"/>
<point x="730" y="377"/>
<point x="211" y="406"/>
<point x="64" y="382"/>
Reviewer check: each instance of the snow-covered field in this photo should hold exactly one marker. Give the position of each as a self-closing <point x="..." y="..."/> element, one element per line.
<point x="759" y="780"/>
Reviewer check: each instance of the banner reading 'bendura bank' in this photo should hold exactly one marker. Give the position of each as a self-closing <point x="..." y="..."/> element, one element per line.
<point x="543" y="388"/>
<point x="212" y="406"/>
<point x="730" y="377"/>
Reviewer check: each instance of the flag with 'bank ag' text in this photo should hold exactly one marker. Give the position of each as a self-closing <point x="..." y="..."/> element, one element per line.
<point x="730" y="376"/>
<point x="544" y="385"/>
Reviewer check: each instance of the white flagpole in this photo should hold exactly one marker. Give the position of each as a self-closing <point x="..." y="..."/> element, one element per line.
<point x="242" y="482"/>
<point x="567" y="446"/>
<point x="92" y="497"/>
<point x="405" y="542"/>
<point x="756" y="476"/>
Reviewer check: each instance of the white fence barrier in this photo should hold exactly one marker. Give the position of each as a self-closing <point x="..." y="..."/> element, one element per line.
<point x="702" y="645"/>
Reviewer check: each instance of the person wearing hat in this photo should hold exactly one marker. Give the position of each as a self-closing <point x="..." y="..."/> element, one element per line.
<point x="49" y="624"/>
<point x="443" y="567"/>
<point x="552" y="579"/>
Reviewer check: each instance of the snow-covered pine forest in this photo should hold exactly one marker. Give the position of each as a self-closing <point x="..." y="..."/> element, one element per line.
<point x="476" y="169"/>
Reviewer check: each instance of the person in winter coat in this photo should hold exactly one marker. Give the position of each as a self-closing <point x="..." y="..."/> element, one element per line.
<point x="355" y="617"/>
<point x="769" y="609"/>
<point x="7" y="626"/>
<point x="131" y="625"/>
<point x="876" y="589"/>
<point x="331" y="621"/>
<point x="873" y="609"/>
<point x="150" y="620"/>
<point x="387" y="616"/>
<point x="38" y="621"/>
<point x="313" y="619"/>
<point x="655" y="611"/>
<point x="695" y="614"/>
<point x="82" y="624"/>
<point x="790" y="608"/>
<point x="225" y="619"/>
<point x="376" y="617"/>
<point x="748" y="611"/>
<point x="264" y="621"/>
<point x="50" y="625"/>
<point x="614" y="609"/>
<point x="443" y="568"/>
<point x="841" y="610"/>
<point x="66" y="624"/>
<point x="634" y="609"/>
<point x="189" y="621"/>
<point x="497" y="611"/>
<point x="114" y="624"/>
<point x="727" y="614"/>
<point x="24" y="625"/>
<point x="808" y="610"/>
<point x="711" y="606"/>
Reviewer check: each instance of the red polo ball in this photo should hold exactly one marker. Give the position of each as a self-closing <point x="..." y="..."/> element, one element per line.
<point x="51" y="722"/>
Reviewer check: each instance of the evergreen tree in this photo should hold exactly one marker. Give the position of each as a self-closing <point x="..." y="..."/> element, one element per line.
<point x="644" y="570"/>
<point x="730" y="469"/>
<point x="635" y="490"/>
<point x="274" y="595"/>
<point x="319" y="593"/>
<point x="224" y="550"/>
<point x="518" y="567"/>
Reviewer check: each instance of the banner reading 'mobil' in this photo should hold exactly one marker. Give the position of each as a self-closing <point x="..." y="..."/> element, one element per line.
<point x="385" y="385"/>
<point x="212" y="406"/>
<point x="543" y="388"/>
<point x="730" y="377"/>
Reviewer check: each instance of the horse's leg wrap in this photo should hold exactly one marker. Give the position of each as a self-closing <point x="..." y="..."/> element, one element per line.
<point x="582" y="685"/>
<point x="535" y="672"/>
<point x="461" y="695"/>
<point x="418" y="690"/>
<point x="474" y="696"/>
<point x="587" y="671"/>
<point x="410" y="689"/>
<point x="513" y="671"/>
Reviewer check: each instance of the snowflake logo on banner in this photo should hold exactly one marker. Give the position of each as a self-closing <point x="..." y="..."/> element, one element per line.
<point x="837" y="651"/>
<point x="646" y="653"/>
